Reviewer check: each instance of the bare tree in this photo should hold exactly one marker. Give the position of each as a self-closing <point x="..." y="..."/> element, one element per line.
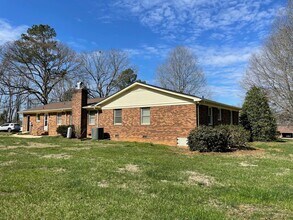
<point x="10" y="101"/>
<point x="63" y="90"/>
<point x="272" y="67"/>
<point x="181" y="72"/>
<point x="36" y="63"/>
<point x="102" y="69"/>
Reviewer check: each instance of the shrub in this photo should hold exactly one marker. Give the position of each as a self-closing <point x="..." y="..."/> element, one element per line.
<point x="62" y="129"/>
<point x="238" y="136"/>
<point x="218" y="139"/>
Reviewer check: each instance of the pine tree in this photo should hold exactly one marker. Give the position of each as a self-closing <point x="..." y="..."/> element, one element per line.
<point x="257" y="117"/>
<point x="126" y="78"/>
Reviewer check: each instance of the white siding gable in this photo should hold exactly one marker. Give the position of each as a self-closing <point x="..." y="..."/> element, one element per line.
<point x="144" y="97"/>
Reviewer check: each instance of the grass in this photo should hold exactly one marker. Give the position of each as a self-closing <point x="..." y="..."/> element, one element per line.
<point x="56" y="178"/>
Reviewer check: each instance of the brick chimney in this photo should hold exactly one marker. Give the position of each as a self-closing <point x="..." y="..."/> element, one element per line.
<point x="79" y="115"/>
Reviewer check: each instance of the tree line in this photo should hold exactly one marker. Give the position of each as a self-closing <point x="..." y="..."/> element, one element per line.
<point x="38" y="69"/>
<point x="271" y="68"/>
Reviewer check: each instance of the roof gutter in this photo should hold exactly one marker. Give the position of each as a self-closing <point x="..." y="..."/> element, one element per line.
<point x="92" y="107"/>
<point x="45" y="110"/>
<point x="218" y="104"/>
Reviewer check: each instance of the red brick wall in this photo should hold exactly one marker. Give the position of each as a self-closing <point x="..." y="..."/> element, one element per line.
<point x="37" y="128"/>
<point x="24" y="123"/>
<point x="52" y="122"/>
<point x="167" y="123"/>
<point x="79" y="115"/>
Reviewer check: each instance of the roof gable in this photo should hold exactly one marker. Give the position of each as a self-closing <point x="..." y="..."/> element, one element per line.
<point x="139" y="94"/>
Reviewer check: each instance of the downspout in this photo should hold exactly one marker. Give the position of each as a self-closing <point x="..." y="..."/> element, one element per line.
<point x="97" y="116"/>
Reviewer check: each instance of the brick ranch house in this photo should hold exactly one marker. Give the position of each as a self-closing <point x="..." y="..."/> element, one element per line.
<point x="286" y="131"/>
<point x="140" y="112"/>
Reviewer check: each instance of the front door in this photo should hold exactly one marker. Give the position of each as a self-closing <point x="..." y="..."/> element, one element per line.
<point x="46" y="122"/>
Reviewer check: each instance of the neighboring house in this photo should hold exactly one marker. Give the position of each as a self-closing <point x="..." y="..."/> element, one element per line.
<point x="286" y="131"/>
<point x="140" y="112"/>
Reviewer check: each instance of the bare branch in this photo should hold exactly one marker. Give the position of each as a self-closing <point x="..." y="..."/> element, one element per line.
<point x="181" y="72"/>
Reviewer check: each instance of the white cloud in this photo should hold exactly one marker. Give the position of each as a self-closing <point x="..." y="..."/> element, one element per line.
<point x="212" y="56"/>
<point x="187" y="19"/>
<point x="221" y="56"/>
<point x="148" y="51"/>
<point x="9" y="32"/>
<point x="223" y="34"/>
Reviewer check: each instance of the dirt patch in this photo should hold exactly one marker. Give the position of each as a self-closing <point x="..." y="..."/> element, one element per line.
<point x="57" y="156"/>
<point x="216" y="204"/>
<point x="76" y="148"/>
<point x="131" y="168"/>
<point x="123" y="186"/>
<point x="8" y="163"/>
<point x="283" y="172"/>
<point x="199" y="179"/>
<point x="247" y="211"/>
<point x="25" y="136"/>
<point x="40" y="145"/>
<point x="10" y="194"/>
<point x="9" y="147"/>
<point x="59" y="170"/>
<point x="245" y="164"/>
<point x="55" y="170"/>
<point x="30" y="146"/>
<point x="103" y="184"/>
<point x="12" y="153"/>
<point x="237" y="153"/>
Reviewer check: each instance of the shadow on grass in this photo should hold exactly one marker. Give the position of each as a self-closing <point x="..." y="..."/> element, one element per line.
<point x="280" y="140"/>
<point x="232" y="149"/>
<point x="245" y="148"/>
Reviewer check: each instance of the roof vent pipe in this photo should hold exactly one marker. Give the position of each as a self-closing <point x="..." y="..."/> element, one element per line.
<point x="79" y="85"/>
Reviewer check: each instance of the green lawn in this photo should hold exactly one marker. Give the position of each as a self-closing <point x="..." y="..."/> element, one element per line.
<point x="56" y="178"/>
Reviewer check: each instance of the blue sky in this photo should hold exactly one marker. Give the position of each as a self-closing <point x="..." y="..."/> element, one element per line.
<point x="222" y="33"/>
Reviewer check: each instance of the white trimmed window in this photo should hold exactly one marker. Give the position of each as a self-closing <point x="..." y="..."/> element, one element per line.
<point x="219" y="114"/>
<point x="38" y="117"/>
<point x="117" y="116"/>
<point x="210" y="116"/>
<point x="145" y="116"/>
<point x="59" y="118"/>
<point x="92" y="118"/>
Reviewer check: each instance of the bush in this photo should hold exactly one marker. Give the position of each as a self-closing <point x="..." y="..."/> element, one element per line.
<point x="238" y="137"/>
<point x="62" y="129"/>
<point x="218" y="139"/>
